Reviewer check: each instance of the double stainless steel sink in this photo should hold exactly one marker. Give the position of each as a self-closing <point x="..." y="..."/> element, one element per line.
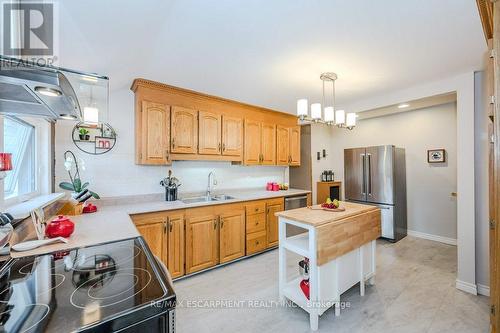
<point x="206" y="198"/>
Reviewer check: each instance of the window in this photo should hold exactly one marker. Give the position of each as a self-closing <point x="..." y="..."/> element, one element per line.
<point x="19" y="139"/>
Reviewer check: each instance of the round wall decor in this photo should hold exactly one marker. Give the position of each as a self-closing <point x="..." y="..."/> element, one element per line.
<point x="94" y="139"/>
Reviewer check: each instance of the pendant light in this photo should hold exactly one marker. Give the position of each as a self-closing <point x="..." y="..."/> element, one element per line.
<point x="326" y="115"/>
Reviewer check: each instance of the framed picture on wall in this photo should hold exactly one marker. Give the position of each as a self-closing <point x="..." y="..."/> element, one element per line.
<point x="436" y="156"/>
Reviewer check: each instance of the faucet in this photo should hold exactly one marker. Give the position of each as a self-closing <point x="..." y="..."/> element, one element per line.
<point x="211" y="183"/>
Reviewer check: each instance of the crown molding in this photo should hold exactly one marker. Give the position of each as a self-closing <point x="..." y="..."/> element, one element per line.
<point x="145" y="83"/>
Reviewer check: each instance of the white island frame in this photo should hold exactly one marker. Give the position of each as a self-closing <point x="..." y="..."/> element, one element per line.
<point x="328" y="281"/>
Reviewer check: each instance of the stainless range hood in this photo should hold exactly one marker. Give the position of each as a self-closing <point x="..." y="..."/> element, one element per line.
<point x="47" y="92"/>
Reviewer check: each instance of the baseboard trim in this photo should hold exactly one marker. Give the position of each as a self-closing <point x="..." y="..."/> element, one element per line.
<point x="483" y="290"/>
<point x="467" y="287"/>
<point x="441" y="239"/>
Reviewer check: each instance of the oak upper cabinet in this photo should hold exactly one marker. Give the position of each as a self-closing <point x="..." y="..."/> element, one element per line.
<point x="273" y="206"/>
<point x="174" y="256"/>
<point x="232" y="233"/>
<point x="209" y="133"/>
<point x="252" y="142"/>
<point x="153" y="133"/>
<point x="282" y="145"/>
<point x="184" y="130"/>
<point x="232" y="136"/>
<point x="201" y="239"/>
<point x="260" y="143"/>
<point x="294" y="146"/>
<point x="268" y="144"/>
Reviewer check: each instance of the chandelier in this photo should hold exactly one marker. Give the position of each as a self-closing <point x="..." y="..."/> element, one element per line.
<point x="331" y="116"/>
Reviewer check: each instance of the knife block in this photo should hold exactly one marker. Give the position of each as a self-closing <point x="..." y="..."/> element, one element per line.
<point x="72" y="209"/>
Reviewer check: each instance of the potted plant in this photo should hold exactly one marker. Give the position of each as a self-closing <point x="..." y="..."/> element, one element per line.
<point x="84" y="134"/>
<point x="76" y="185"/>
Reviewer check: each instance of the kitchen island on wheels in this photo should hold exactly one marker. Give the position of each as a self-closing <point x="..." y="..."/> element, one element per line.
<point x="339" y="251"/>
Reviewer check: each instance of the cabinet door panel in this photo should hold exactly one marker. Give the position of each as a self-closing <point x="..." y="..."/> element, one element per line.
<point x="201" y="243"/>
<point x="232" y="136"/>
<point x="184" y="130"/>
<point x="155" y="134"/>
<point x="175" y="252"/>
<point x="153" y="235"/>
<point x="210" y="133"/>
<point x="295" y="146"/>
<point x="252" y="142"/>
<point x="232" y="235"/>
<point x="268" y="144"/>
<point x="282" y="145"/>
<point x="272" y="224"/>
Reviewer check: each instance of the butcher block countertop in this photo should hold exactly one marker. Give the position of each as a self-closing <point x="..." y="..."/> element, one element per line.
<point x="336" y="233"/>
<point x="318" y="217"/>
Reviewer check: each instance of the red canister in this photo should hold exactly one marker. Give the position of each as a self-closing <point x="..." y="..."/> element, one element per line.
<point x="269" y="186"/>
<point x="276" y="187"/>
<point x="60" y="227"/>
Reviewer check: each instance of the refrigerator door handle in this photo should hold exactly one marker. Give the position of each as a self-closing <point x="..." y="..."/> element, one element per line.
<point x="369" y="177"/>
<point x="363" y="173"/>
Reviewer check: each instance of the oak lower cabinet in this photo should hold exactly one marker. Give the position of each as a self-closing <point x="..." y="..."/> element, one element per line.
<point x="214" y="235"/>
<point x="262" y="224"/>
<point x="201" y="239"/>
<point x="232" y="233"/>
<point x="184" y="130"/>
<point x="175" y="245"/>
<point x="164" y="234"/>
<point x="273" y="206"/>
<point x="153" y="133"/>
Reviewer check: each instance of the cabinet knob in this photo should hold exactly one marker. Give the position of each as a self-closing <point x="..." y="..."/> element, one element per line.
<point x="256" y="242"/>
<point x="221" y="223"/>
<point x="173" y="142"/>
<point x="218" y="147"/>
<point x="215" y="224"/>
<point x="223" y="147"/>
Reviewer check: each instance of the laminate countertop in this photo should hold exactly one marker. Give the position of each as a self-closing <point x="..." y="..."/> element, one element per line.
<point x="318" y="217"/>
<point x="112" y="222"/>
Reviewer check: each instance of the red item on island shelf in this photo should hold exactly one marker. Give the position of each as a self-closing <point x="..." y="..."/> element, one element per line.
<point x="60" y="227"/>
<point x="304" y="285"/>
<point x="269" y="186"/>
<point x="89" y="208"/>
<point x="276" y="187"/>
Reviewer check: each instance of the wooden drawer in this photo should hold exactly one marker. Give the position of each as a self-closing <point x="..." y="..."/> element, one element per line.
<point x="256" y="242"/>
<point x="256" y="208"/>
<point x="276" y="201"/>
<point x="256" y="223"/>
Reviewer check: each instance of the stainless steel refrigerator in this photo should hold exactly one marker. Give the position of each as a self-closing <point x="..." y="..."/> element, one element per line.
<point x="377" y="176"/>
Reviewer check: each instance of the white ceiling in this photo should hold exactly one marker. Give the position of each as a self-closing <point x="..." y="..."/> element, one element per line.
<point x="270" y="53"/>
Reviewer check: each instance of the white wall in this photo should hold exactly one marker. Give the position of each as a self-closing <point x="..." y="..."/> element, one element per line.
<point x="320" y="139"/>
<point x="115" y="173"/>
<point x="482" y="146"/>
<point x="431" y="208"/>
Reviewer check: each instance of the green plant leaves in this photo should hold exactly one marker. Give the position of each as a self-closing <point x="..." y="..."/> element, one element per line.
<point x="77" y="183"/>
<point x="95" y="195"/>
<point x="66" y="186"/>
<point x="84" y="186"/>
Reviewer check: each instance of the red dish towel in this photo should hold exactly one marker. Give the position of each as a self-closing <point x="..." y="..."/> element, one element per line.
<point x="304" y="285"/>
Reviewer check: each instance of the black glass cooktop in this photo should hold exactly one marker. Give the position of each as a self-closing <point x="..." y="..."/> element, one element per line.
<point x="99" y="288"/>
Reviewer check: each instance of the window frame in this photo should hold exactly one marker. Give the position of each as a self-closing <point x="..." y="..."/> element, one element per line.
<point x="42" y="177"/>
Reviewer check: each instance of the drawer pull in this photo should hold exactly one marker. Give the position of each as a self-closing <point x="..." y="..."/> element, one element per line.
<point x="256" y="223"/>
<point x="256" y="242"/>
